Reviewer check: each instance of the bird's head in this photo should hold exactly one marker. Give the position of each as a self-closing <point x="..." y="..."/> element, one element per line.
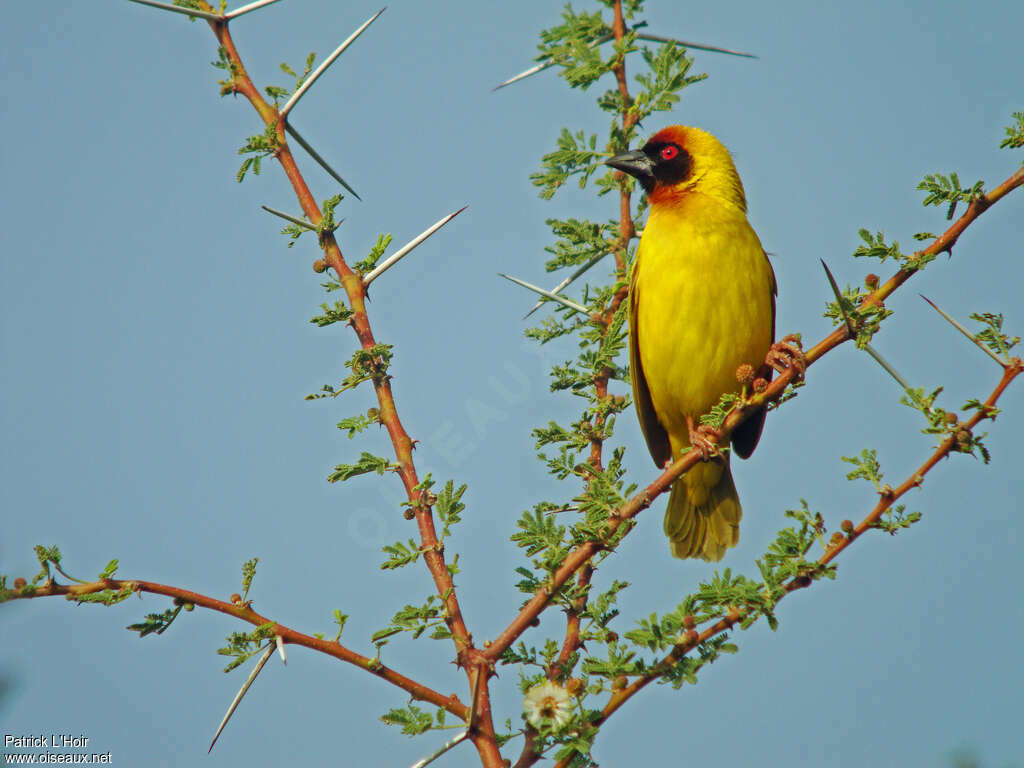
<point x="680" y="160"/>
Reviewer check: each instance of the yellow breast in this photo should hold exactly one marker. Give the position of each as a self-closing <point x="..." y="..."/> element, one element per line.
<point x="704" y="306"/>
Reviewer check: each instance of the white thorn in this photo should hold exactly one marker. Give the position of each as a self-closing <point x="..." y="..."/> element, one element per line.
<point x="186" y="11"/>
<point x="279" y="641"/>
<point x="405" y="249"/>
<point x="246" y="8"/>
<point x="544" y="65"/>
<point x="549" y="294"/>
<point x="558" y="288"/>
<point x="245" y="687"/>
<point x="448" y="745"/>
<point x="326" y="63"/>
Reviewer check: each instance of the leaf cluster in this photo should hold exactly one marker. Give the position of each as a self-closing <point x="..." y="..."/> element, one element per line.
<point x="241" y="646"/>
<point x="866" y="319"/>
<point x="416" y="619"/>
<point x="277" y="93"/>
<point x="946" y="190"/>
<point x="414" y="721"/>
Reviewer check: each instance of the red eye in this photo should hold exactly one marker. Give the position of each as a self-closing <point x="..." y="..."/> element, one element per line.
<point x="669" y="152"/>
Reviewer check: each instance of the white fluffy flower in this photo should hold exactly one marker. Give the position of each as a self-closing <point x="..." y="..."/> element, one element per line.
<point x="547" y="704"/>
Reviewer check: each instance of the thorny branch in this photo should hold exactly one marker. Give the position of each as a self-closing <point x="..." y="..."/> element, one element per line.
<point x="243" y="611"/>
<point x="888" y="497"/>
<point x="578" y="563"/>
<point x="582" y="554"/>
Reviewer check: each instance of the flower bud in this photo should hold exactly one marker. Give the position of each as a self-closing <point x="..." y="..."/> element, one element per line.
<point x="745" y="373"/>
<point x="319" y="266"/>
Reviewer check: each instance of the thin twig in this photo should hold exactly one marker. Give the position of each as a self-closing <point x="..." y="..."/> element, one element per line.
<point x="245" y="613"/>
<point x="325" y="64"/>
<point x="394" y="258"/>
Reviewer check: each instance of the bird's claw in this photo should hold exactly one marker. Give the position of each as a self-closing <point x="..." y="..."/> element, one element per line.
<point x="785" y="354"/>
<point x="704" y="439"/>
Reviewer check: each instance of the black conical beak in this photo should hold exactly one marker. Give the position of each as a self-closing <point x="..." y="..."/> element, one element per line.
<point x="635" y="163"/>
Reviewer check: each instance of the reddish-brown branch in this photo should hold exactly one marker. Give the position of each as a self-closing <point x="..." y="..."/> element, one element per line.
<point x="244" y="612"/>
<point x="355" y="291"/>
<point x="433" y="554"/>
<point x="631" y="508"/>
<point x="560" y="668"/>
<point x="1013" y="369"/>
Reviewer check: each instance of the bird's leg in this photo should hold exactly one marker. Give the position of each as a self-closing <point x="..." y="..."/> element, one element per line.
<point x="786" y="353"/>
<point x="703" y="438"/>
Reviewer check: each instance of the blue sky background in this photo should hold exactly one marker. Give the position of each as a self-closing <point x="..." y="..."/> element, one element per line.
<point x="156" y="351"/>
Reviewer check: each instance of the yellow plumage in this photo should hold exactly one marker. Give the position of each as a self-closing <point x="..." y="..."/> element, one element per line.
<point x="701" y="304"/>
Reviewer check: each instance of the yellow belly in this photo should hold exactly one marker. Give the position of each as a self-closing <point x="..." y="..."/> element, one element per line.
<point x="705" y="307"/>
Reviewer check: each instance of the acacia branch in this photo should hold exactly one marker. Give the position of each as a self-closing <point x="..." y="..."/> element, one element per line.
<point x="889" y="496"/>
<point x="632" y="507"/>
<point x="243" y="611"/>
<point x="356" y="293"/>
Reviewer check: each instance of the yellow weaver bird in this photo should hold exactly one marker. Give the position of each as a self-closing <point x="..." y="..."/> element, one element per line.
<point x="701" y="304"/>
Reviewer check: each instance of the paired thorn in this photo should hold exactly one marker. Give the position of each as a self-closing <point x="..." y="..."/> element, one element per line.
<point x="178" y="9"/>
<point x="965" y="332"/>
<point x="206" y="14"/>
<point x="548" y="294"/>
<point x="558" y="288"/>
<point x="325" y="64"/>
<point x="390" y="261"/>
<point x="852" y="332"/>
<point x="279" y="642"/>
<point x="289" y="217"/>
<point x="242" y="691"/>
<point x="323" y="163"/>
<point x="247" y="8"/>
<point x="642" y="36"/>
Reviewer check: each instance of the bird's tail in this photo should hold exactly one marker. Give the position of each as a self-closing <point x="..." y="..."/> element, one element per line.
<point x="703" y="515"/>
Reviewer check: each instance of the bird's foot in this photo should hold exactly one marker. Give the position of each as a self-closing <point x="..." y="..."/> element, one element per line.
<point x="703" y="438"/>
<point x="785" y="354"/>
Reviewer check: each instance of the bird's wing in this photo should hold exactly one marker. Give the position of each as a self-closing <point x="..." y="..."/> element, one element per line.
<point x="746" y="436"/>
<point x="654" y="433"/>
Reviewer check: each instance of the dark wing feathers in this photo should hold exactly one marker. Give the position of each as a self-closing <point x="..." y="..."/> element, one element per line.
<point x="746" y="436"/>
<point x="654" y="433"/>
